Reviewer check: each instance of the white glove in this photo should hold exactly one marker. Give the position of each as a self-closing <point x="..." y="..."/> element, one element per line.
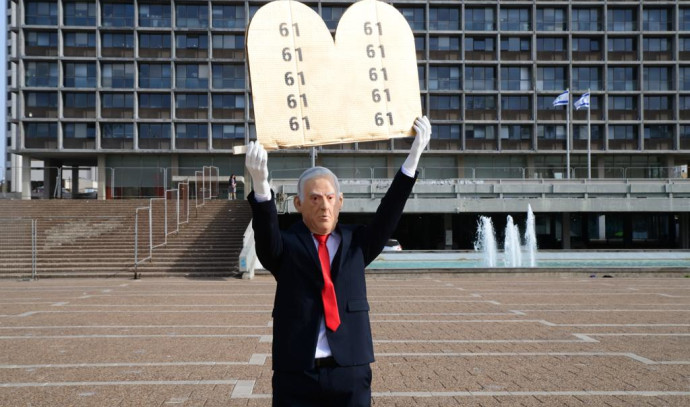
<point x="256" y="161"/>
<point x="422" y="128"/>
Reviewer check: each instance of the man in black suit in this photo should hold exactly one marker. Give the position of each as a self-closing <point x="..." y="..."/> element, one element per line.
<point x="322" y="344"/>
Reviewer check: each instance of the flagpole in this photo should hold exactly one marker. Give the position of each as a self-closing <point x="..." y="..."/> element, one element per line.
<point x="567" y="136"/>
<point x="589" y="136"/>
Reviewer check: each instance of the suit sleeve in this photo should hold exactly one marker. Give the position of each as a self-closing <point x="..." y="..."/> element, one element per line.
<point x="375" y="235"/>
<point x="267" y="236"/>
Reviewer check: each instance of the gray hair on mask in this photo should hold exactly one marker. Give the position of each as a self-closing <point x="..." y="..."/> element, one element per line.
<point x="316" y="172"/>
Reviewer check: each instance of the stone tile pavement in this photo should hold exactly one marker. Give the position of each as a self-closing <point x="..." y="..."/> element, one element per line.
<point x="440" y="340"/>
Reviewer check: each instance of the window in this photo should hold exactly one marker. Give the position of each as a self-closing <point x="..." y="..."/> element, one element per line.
<point x="444" y="78"/>
<point x="444" y="19"/>
<point x="551" y="44"/>
<point x="444" y="47"/>
<point x="516" y="132"/>
<point x="191" y="41"/>
<point x="587" y="77"/>
<point x="480" y="44"/>
<point x="42" y="74"/>
<point x="191" y="101"/>
<point x="414" y="16"/>
<point x="546" y="103"/>
<point x="117" y="100"/>
<point x="586" y="19"/>
<point x="192" y="131"/>
<point x="118" y="40"/>
<point x="191" y="76"/>
<point x="684" y="19"/>
<point x="154" y="131"/>
<point x="480" y="78"/>
<point x="421" y="74"/>
<point x="622" y="132"/>
<point x="191" y="15"/>
<point x="225" y="16"/>
<point x="551" y="132"/>
<point x="228" y="76"/>
<point x="45" y="100"/>
<point x="656" y="19"/>
<point x="484" y="102"/>
<point x="480" y="19"/>
<point x="445" y="107"/>
<point x="154" y="15"/>
<point x="622" y="44"/>
<point x="515" y="44"/>
<point x="551" y="78"/>
<point x="228" y="101"/>
<point x="622" y="19"/>
<point x="228" y="41"/>
<point x="654" y="44"/>
<point x="622" y="78"/>
<point x="551" y="19"/>
<point x="80" y="14"/>
<point x="80" y="40"/>
<point x="39" y="131"/>
<point x="80" y="130"/>
<point x="331" y="15"/>
<point x="117" y="130"/>
<point x="516" y="78"/>
<point x="41" y="39"/>
<point x="515" y="19"/>
<point x="622" y="103"/>
<point x="586" y="44"/>
<point x="658" y="78"/>
<point x="684" y="103"/>
<point x="117" y="75"/>
<point x="228" y="131"/>
<point x="684" y="78"/>
<point x="154" y="101"/>
<point x="160" y="41"/>
<point x="480" y="131"/>
<point x="154" y="75"/>
<point x="80" y="74"/>
<point x="515" y="103"/>
<point x="79" y="100"/>
<point x="445" y="132"/>
<point x="658" y="103"/>
<point x="117" y="15"/>
<point x="658" y="132"/>
<point x="41" y="13"/>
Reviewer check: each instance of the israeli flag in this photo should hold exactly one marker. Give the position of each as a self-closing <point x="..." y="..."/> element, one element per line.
<point x="583" y="101"/>
<point x="561" y="100"/>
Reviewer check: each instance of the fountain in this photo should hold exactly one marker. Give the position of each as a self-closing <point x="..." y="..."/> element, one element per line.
<point x="531" y="238"/>
<point x="486" y="241"/>
<point x="512" y="250"/>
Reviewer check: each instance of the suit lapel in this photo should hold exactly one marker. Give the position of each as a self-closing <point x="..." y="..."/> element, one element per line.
<point x="345" y="240"/>
<point x="304" y="236"/>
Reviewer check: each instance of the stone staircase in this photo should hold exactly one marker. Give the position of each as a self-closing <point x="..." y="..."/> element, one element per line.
<point x="81" y="238"/>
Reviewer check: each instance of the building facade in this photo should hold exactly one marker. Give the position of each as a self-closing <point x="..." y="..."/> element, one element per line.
<point x="163" y="84"/>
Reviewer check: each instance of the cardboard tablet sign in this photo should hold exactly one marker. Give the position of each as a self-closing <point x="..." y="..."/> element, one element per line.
<point x="309" y="91"/>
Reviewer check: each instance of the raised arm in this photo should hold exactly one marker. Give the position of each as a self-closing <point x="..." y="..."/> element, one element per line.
<point x="392" y="204"/>
<point x="269" y="243"/>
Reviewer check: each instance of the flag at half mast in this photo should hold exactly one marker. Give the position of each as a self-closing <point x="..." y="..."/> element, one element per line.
<point x="561" y="100"/>
<point x="583" y="101"/>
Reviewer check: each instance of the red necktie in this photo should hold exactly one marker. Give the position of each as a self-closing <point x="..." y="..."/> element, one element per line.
<point x="330" y="304"/>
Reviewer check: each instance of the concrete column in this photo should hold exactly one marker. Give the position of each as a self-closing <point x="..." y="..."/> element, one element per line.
<point x="75" y="182"/>
<point x="460" y="163"/>
<point x="602" y="227"/>
<point x="448" y="226"/>
<point x="566" y="230"/>
<point x="684" y="230"/>
<point x="530" y="167"/>
<point x="50" y="174"/>
<point x="391" y="170"/>
<point x="601" y="170"/>
<point x="627" y="230"/>
<point x="174" y="165"/>
<point x="102" y="177"/>
<point x="26" y="177"/>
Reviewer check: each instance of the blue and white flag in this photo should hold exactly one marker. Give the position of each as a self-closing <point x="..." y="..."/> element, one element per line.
<point x="583" y="101"/>
<point x="561" y="100"/>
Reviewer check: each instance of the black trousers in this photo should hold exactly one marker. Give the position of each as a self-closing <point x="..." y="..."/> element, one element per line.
<point x="323" y="387"/>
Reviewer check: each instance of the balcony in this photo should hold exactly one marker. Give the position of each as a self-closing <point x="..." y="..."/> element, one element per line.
<point x="41" y="51"/>
<point x="154" y="52"/>
<point x="551" y="144"/>
<point x="552" y="56"/>
<point x="658" y="114"/>
<point x="481" y="144"/>
<point x="445" y="114"/>
<point x="191" y="53"/>
<point x="151" y="113"/>
<point x="445" y="55"/>
<point x="658" y="143"/>
<point x="582" y="115"/>
<point x="623" y="56"/>
<point x="588" y="56"/>
<point x="684" y="114"/>
<point x="40" y="112"/>
<point x="118" y="52"/>
<point x="191" y="144"/>
<point x="480" y="55"/>
<point x="79" y="52"/>
<point x="515" y="56"/>
<point x="513" y="144"/>
<point x="595" y="145"/>
<point x="445" y="144"/>
<point x="219" y="113"/>
<point x="191" y="113"/>
<point x="117" y="113"/>
<point x="551" y="115"/>
<point x="516" y="115"/>
<point x="228" y="53"/>
<point x="226" y="144"/>
<point x="79" y="112"/>
<point x="481" y="114"/>
<point x="657" y="56"/>
<point x="624" y="115"/>
<point x="623" y="145"/>
<point x="79" y="143"/>
<point x="117" y="143"/>
<point x="154" y="143"/>
<point x="49" y="143"/>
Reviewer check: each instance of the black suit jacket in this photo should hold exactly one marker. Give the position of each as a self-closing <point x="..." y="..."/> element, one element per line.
<point x="292" y="258"/>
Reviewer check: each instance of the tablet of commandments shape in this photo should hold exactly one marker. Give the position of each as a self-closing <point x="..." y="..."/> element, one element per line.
<point x="309" y="91"/>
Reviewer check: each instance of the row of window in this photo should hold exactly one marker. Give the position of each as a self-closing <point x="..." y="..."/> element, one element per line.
<point x="125" y="40"/>
<point x="122" y="75"/>
<point x="443" y="77"/>
<point x="440" y="46"/>
<point x="225" y="101"/>
<point x="476" y="18"/>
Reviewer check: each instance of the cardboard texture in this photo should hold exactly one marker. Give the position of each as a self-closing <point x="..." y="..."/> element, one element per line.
<point x="309" y="91"/>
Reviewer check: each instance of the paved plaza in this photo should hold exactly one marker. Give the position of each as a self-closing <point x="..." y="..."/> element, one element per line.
<point x="440" y="340"/>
